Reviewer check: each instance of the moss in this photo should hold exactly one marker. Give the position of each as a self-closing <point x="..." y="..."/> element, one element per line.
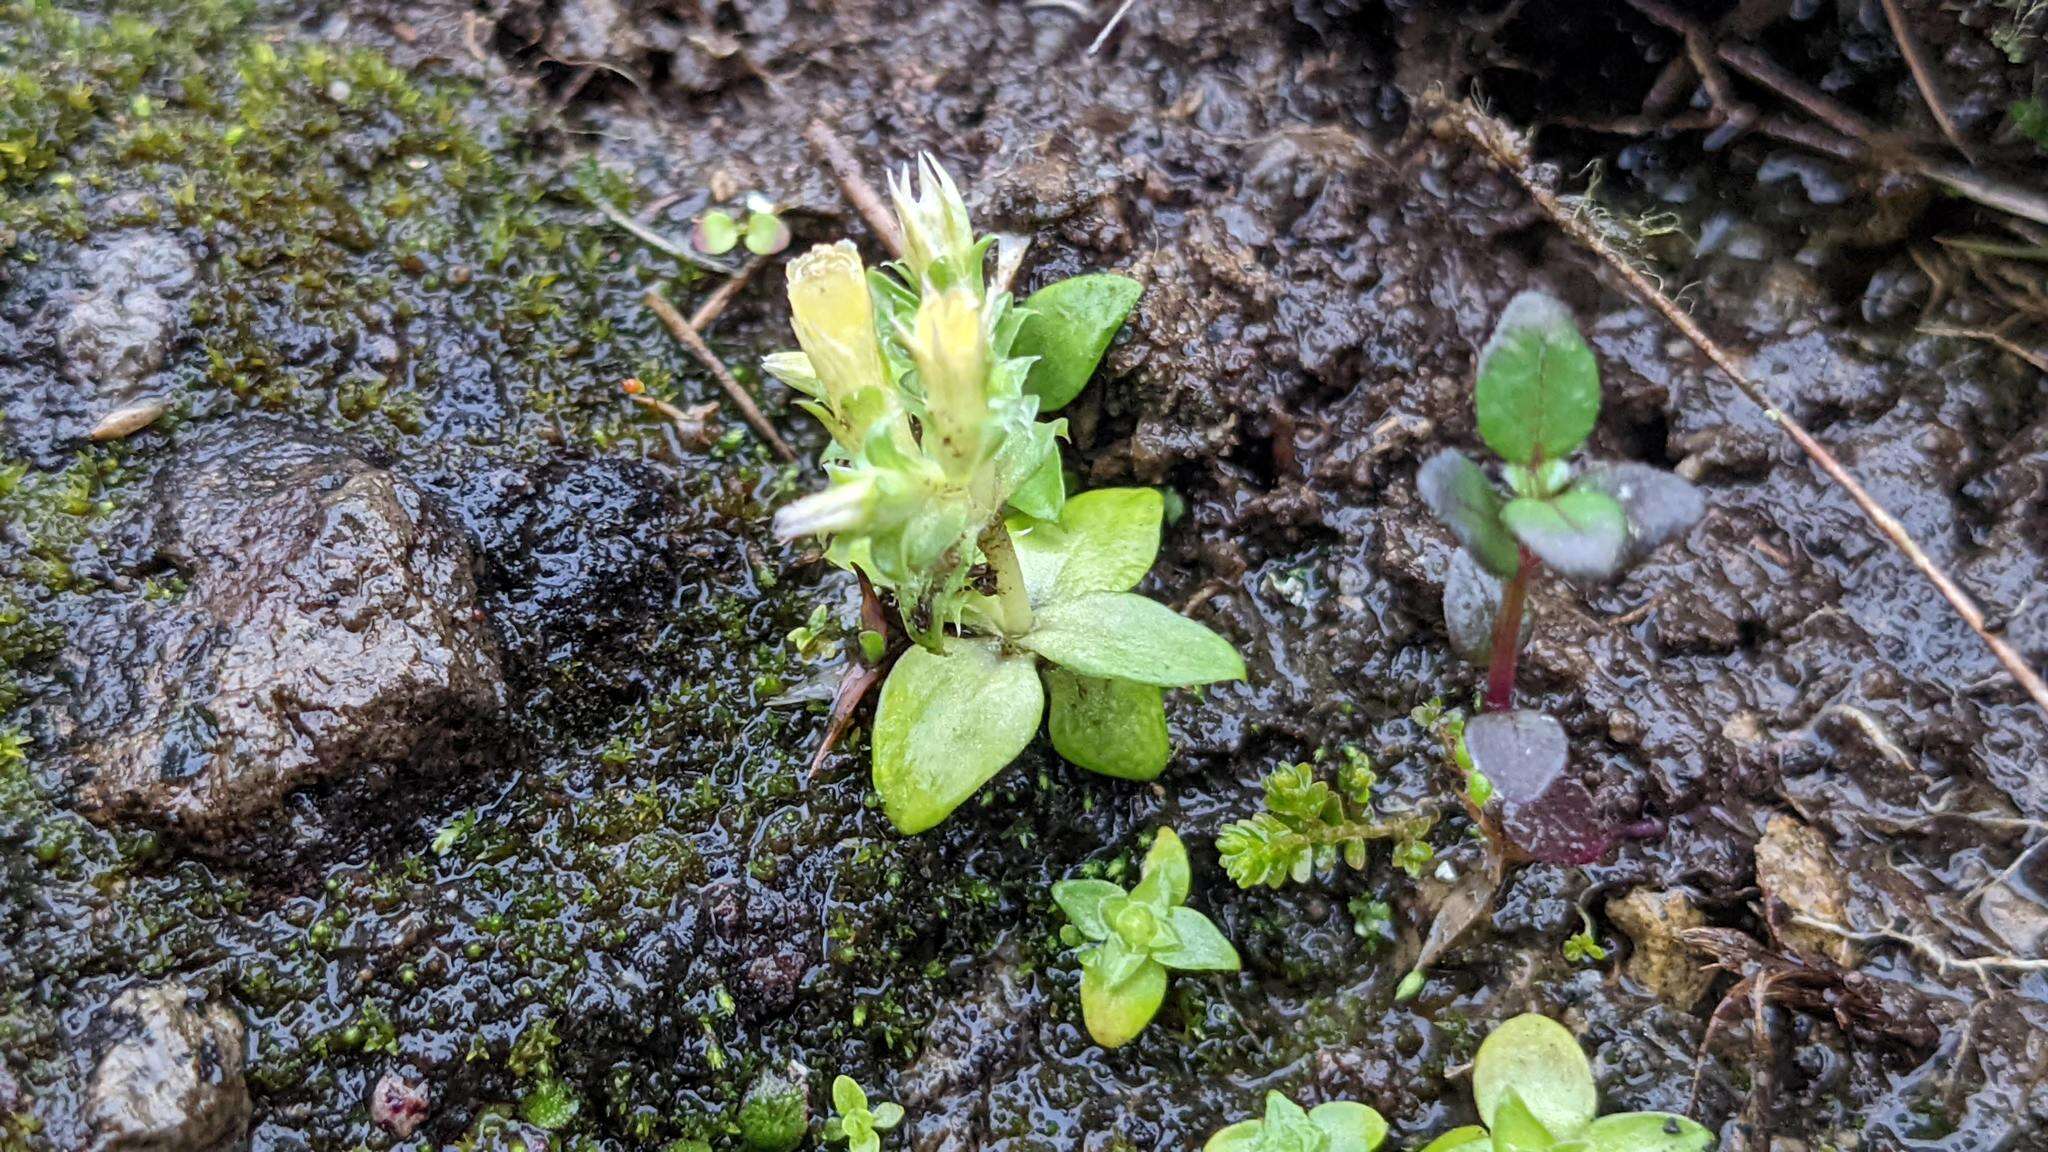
<point x="775" y="1115"/>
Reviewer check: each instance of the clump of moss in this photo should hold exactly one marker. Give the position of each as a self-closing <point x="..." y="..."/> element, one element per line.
<point x="776" y="1112"/>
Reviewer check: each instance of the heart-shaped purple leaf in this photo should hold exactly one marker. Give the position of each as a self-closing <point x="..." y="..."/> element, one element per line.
<point x="1659" y="505"/>
<point x="1545" y="812"/>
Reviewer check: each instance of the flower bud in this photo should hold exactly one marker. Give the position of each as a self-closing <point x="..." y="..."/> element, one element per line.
<point x="950" y="348"/>
<point x="845" y="506"/>
<point x="938" y="241"/>
<point x="835" y="322"/>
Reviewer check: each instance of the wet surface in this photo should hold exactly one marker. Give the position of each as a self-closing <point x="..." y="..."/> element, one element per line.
<point x="636" y="897"/>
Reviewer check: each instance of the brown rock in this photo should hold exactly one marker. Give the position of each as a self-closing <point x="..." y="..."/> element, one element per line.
<point x="1660" y="961"/>
<point x="1795" y="867"/>
<point x="172" y="1080"/>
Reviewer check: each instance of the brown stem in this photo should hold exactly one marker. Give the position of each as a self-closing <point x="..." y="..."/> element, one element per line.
<point x="1507" y="637"/>
<point x="1013" y="601"/>
<point x="688" y="337"/>
<point x="858" y="191"/>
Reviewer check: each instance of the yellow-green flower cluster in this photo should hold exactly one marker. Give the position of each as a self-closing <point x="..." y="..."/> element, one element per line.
<point x="933" y="435"/>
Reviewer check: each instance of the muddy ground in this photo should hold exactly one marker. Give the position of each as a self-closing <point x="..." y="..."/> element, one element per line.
<point x="606" y="896"/>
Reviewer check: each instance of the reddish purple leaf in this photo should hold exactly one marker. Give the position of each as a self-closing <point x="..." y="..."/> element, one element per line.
<point x="1545" y="812"/>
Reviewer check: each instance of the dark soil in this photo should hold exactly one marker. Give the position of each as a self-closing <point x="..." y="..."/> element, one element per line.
<point x="643" y="901"/>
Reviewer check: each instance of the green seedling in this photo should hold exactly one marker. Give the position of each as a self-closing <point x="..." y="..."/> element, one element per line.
<point x="1537" y="396"/>
<point x="854" y="1122"/>
<point x="1535" y="1093"/>
<point x="765" y="233"/>
<point x="1338" y="1126"/>
<point x="946" y="493"/>
<point x="1583" y="947"/>
<point x="1307" y="826"/>
<point x="1129" y="940"/>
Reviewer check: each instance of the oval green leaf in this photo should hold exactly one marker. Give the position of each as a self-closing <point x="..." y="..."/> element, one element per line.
<point x="1115" y="727"/>
<point x="1115" y="1014"/>
<point x="1647" y="1132"/>
<point x="946" y="723"/>
<point x="1538" y="391"/>
<point x="1202" y="946"/>
<point x="1582" y="533"/>
<point x="1351" y="1127"/>
<point x="1069" y="328"/>
<point x="1165" y="874"/>
<point x="1239" y="1137"/>
<point x="1082" y="901"/>
<point x="1121" y="635"/>
<point x="1105" y="541"/>
<point x="1536" y="1058"/>
<point x="1470" y="1138"/>
<point x="1516" y="1129"/>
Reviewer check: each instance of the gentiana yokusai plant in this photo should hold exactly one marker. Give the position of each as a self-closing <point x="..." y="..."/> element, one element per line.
<point x="1129" y="940"/>
<point x="946" y="493"/>
<point x="1537" y="394"/>
<point x="1535" y="1093"/>
<point x="854" y="1121"/>
<point x="1338" y="1126"/>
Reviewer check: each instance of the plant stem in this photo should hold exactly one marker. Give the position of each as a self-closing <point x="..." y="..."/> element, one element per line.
<point x="1507" y="637"/>
<point x="1013" y="602"/>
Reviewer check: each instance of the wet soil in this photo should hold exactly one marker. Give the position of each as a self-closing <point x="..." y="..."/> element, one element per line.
<point x="641" y="900"/>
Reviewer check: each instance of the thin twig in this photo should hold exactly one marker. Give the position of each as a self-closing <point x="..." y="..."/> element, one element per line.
<point x="1115" y="19"/>
<point x="1943" y="960"/>
<point x="656" y="240"/>
<point x="714" y="305"/>
<point x="1509" y="150"/>
<point x="681" y="330"/>
<point x="858" y="191"/>
<point x="1923" y="77"/>
<point x="1993" y="337"/>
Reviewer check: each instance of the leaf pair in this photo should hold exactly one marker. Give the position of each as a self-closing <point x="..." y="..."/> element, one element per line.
<point x="1544" y="812"/>
<point x="1136" y="937"/>
<point x="1338" y="1126"/>
<point x="949" y="720"/>
<point x="856" y="1123"/>
<point x="1535" y="1093"/>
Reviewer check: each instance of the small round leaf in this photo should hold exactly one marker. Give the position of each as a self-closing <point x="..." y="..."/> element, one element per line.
<point x="1536" y="1059"/>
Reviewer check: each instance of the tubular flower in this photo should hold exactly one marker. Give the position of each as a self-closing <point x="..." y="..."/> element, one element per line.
<point x="835" y="322"/>
<point x="950" y="350"/>
<point x="848" y="504"/>
<point x="938" y="242"/>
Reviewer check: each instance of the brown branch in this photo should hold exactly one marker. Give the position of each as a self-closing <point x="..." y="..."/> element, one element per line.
<point x="681" y="330"/>
<point x="715" y="304"/>
<point x="1509" y="150"/>
<point x="1923" y="76"/>
<point x="858" y="191"/>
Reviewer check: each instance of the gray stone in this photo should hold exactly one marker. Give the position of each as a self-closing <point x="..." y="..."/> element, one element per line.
<point x="171" y="1081"/>
<point x="327" y="633"/>
<point x="117" y="333"/>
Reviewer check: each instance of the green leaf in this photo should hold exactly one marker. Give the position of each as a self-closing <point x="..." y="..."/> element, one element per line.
<point x="1115" y="727"/>
<point x="1239" y="1137"/>
<point x="888" y="1116"/>
<point x="847" y="1097"/>
<point x="1165" y="875"/>
<point x="1351" y="1127"/>
<point x="1202" y="946"/>
<point x="1105" y="541"/>
<point x="715" y="233"/>
<point x="1582" y="533"/>
<point x="946" y="723"/>
<point x="1082" y="901"/>
<point x="1647" y="1132"/>
<point x="865" y="1142"/>
<point x="1516" y="1129"/>
<point x="1115" y="1014"/>
<point x="766" y="234"/>
<point x="1536" y="1058"/>
<point x="1070" y="327"/>
<point x="1121" y="635"/>
<point x="1538" y="392"/>
<point x="550" y="1106"/>
<point x="1458" y="492"/>
<point x="1042" y="496"/>
<point x="1470" y="1138"/>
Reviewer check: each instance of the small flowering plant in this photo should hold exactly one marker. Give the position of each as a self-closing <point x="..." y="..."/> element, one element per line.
<point x="856" y="1123"/>
<point x="946" y="492"/>
<point x="1338" y="1126"/>
<point x="1129" y="939"/>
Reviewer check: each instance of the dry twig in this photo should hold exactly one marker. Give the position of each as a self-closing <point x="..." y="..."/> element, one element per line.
<point x="858" y="191"/>
<point x="1943" y="960"/>
<point x="681" y="330"/>
<point x="1509" y="150"/>
<point x="1923" y="76"/>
